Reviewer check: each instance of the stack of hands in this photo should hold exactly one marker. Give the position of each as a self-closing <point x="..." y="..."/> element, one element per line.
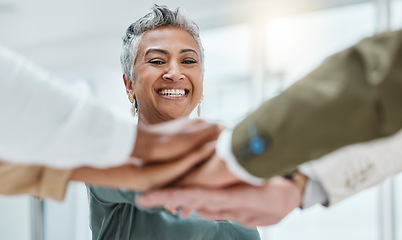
<point x="178" y="163"/>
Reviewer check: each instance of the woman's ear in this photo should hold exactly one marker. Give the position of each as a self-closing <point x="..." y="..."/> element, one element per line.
<point x="129" y="89"/>
<point x="128" y="84"/>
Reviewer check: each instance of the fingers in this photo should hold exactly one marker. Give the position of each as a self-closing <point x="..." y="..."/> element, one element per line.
<point x="191" y="135"/>
<point x="249" y="205"/>
<point x="242" y="217"/>
<point x="172" y="209"/>
<point x="175" y="210"/>
<point x="209" y="205"/>
<point x="186" y="212"/>
<point x="157" y="175"/>
<point x="170" y="140"/>
<point x="212" y="215"/>
<point x="202" y="130"/>
<point x="164" y="197"/>
<point x="260" y="220"/>
<point x="247" y="218"/>
<point x="191" y="198"/>
<point x="212" y="174"/>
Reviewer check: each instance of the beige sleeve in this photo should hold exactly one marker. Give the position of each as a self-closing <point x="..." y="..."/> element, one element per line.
<point x="33" y="180"/>
<point x="357" y="167"/>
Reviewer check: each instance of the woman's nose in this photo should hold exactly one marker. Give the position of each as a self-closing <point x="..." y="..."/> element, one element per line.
<point x="173" y="73"/>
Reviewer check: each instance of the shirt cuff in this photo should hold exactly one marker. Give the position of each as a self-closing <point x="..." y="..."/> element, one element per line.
<point x="314" y="193"/>
<point x="54" y="183"/>
<point x="224" y="151"/>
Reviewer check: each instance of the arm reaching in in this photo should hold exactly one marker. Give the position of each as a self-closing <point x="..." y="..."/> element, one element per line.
<point x="46" y="121"/>
<point x="142" y="178"/>
<point x="173" y="139"/>
<point x="249" y="205"/>
<point x="52" y="183"/>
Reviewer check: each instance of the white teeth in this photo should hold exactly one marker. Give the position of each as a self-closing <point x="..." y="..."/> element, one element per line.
<point x="172" y="92"/>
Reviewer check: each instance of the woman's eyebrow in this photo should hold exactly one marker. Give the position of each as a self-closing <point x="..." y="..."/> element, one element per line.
<point x="188" y="50"/>
<point x="156" y="50"/>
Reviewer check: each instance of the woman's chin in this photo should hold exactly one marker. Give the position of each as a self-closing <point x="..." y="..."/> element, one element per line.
<point x="175" y="114"/>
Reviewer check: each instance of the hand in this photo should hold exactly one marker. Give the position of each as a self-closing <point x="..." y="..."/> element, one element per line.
<point x="146" y="177"/>
<point x="212" y="173"/>
<point x="249" y="205"/>
<point x="173" y="139"/>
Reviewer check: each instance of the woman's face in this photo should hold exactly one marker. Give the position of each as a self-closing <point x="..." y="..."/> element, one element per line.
<point x="168" y="75"/>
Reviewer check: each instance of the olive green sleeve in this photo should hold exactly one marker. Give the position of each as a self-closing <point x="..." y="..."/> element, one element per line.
<point x="354" y="96"/>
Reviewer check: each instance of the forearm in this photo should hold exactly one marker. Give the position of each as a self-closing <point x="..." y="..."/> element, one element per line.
<point x="115" y="177"/>
<point x="55" y="123"/>
<point x="341" y="103"/>
<point x="141" y="178"/>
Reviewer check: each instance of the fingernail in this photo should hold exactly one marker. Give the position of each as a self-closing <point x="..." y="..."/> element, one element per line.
<point x="171" y="209"/>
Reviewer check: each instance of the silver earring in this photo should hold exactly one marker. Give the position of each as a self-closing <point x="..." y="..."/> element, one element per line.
<point x="133" y="110"/>
<point x="199" y="109"/>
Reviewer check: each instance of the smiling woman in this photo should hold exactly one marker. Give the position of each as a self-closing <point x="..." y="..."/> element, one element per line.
<point x="168" y="75"/>
<point x="162" y="63"/>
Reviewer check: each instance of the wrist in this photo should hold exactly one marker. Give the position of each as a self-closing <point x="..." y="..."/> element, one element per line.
<point x="300" y="181"/>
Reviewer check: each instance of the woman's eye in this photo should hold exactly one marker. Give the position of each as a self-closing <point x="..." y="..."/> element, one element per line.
<point x="189" y="61"/>
<point x="157" y="62"/>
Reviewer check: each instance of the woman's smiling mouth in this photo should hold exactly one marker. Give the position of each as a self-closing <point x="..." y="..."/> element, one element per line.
<point x="174" y="92"/>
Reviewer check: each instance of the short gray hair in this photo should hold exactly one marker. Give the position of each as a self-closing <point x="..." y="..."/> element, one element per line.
<point x="159" y="16"/>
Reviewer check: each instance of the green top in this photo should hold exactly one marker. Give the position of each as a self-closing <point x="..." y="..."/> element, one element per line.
<point x="115" y="216"/>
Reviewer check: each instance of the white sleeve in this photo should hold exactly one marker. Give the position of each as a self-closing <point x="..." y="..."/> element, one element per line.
<point x="356" y="167"/>
<point x="224" y="151"/>
<point x="49" y="122"/>
<point x="314" y="193"/>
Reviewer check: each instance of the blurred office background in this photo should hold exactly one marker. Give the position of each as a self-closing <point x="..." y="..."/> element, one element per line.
<point x="254" y="50"/>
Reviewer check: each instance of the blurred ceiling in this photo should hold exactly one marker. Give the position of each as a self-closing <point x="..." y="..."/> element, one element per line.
<point x="65" y="34"/>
